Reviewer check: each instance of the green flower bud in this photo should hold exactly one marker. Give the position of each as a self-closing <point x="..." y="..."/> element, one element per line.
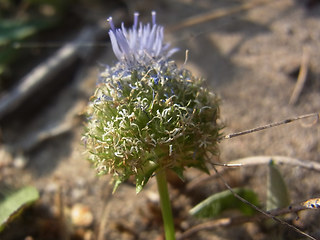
<point x="147" y="114"/>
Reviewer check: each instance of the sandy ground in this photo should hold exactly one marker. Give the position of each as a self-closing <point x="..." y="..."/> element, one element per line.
<point x="251" y="59"/>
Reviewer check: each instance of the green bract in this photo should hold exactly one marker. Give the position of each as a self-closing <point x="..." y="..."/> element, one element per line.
<point x="149" y="117"/>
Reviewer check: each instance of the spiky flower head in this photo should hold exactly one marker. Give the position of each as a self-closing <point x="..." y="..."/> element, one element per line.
<point x="146" y="113"/>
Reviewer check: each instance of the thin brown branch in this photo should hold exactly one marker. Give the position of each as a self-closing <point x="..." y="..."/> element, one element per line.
<point x="45" y="72"/>
<point x="270" y="125"/>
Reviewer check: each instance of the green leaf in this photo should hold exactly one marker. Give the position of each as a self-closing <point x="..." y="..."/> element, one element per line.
<point x="13" y="203"/>
<point x="143" y="178"/>
<point x="116" y="185"/>
<point x="16" y="30"/>
<point x="218" y="202"/>
<point x="179" y="172"/>
<point x="277" y="192"/>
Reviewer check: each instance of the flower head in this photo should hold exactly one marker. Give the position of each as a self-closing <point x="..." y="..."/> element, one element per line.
<point x="140" y="44"/>
<point x="146" y="113"/>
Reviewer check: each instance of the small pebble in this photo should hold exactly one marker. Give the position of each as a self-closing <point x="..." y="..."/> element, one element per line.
<point x="20" y="161"/>
<point x="28" y="238"/>
<point x="81" y="216"/>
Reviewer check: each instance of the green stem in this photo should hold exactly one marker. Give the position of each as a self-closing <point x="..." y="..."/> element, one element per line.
<point x="165" y="205"/>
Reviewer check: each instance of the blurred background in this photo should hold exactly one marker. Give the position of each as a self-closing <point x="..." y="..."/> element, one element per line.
<point x="249" y="52"/>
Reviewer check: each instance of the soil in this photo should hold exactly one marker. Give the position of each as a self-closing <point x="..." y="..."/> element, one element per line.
<point x="250" y="58"/>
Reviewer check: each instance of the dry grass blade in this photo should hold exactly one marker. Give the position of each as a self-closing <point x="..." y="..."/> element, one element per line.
<point x="214" y="14"/>
<point x="302" y="77"/>
<point x="264" y="160"/>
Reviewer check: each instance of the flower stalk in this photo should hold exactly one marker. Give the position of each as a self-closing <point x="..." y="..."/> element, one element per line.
<point x="165" y="205"/>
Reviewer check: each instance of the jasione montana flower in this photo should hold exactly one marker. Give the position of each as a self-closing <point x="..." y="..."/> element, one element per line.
<point x="146" y="113"/>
